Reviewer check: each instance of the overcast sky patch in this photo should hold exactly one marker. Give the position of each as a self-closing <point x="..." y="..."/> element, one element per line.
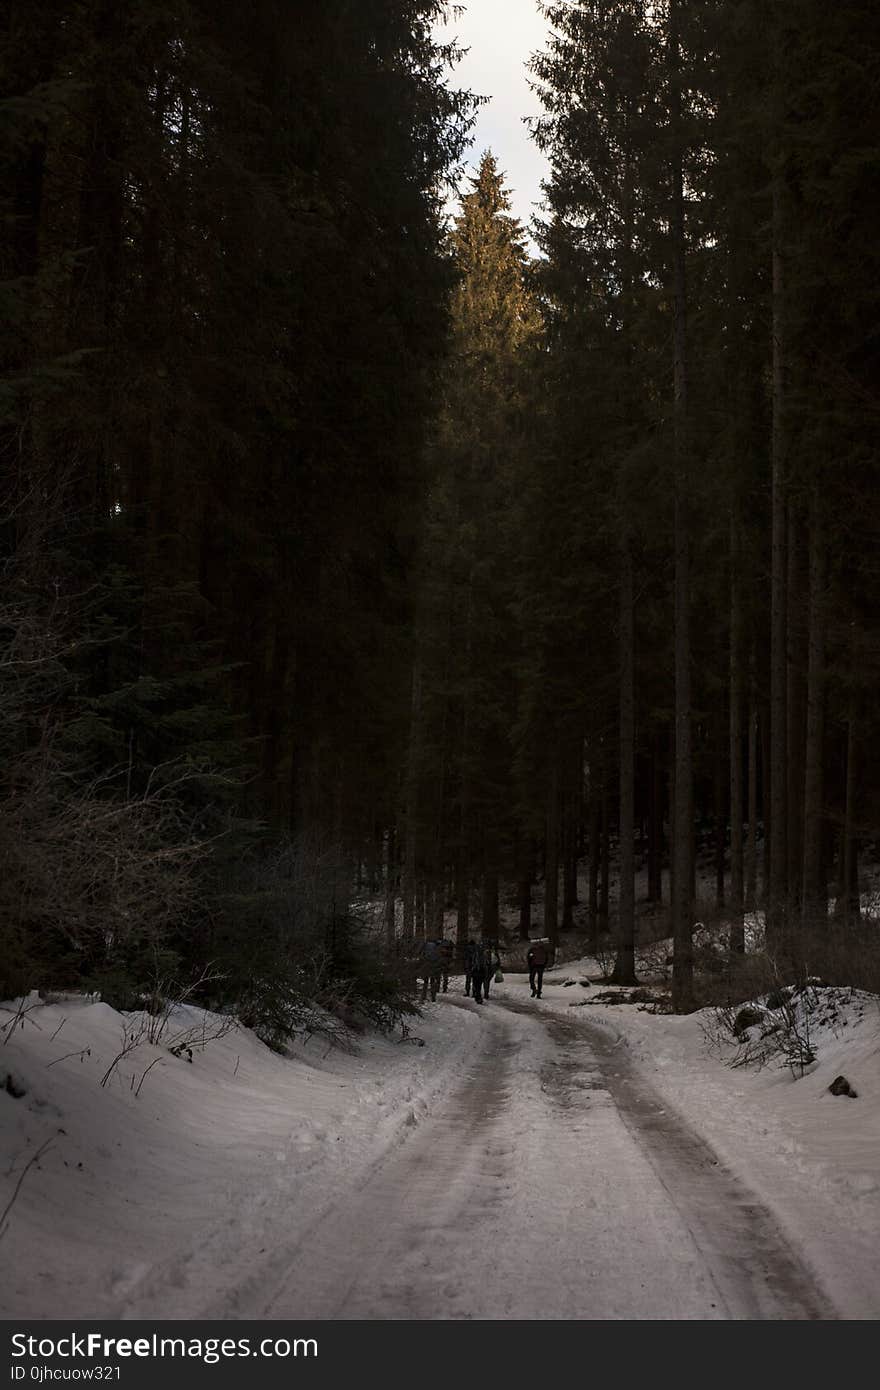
<point x="501" y="36"/>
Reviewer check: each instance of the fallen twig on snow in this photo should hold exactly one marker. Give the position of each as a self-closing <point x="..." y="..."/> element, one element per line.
<point x="9" y="1205"/>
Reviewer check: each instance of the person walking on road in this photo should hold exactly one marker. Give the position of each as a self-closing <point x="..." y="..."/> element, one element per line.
<point x="468" y="956"/>
<point x="476" y="960"/>
<point x="536" y="958"/>
<point x="446" y="951"/>
<point x="492" y="964"/>
<point x="484" y="961"/>
<point x="432" y="969"/>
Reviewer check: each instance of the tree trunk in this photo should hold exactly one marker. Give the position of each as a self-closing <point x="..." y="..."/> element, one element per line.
<point x="526" y="859"/>
<point x="605" y="855"/>
<point x="463" y="899"/>
<point x="796" y="661"/>
<point x="682" y="904"/>
<point x="412" y="782"/>
<point x="595" y="859"/>
<point x="848" y="893"/>
<point x="625" y="969"/>
<point x="778" y="885"/>
<point x="490" y="905"/>
<point x="752" y="853"/>
<point x="97" y="276"/>
<point x="766" y="810"/>
<point x="436" y="911"/>
<point x="463" y="871"/>
<point x="655" y="823"/>
<point x="570" y="860"/>
<point x="551" y="857"/>
<point x="814" y="889"/>
<point x="737" y="935"/>
<point x="719" y="805"/>
<point x="390" y="892"/>
<point x="421" y="910"/>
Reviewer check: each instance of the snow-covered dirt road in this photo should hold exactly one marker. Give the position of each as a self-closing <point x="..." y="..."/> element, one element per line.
<point x="563" y="1159"/>
<point x="550" y="1181"/>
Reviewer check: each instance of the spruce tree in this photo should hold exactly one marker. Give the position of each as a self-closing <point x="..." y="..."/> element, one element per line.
<point x="467" y="644"/>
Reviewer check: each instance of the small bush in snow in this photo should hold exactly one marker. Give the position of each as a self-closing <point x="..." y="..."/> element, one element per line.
<point x="783" y="1027"/>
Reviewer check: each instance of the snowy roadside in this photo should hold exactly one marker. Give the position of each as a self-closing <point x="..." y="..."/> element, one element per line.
<point x="812" y="1157"/>
<point x="138" y="1200"/>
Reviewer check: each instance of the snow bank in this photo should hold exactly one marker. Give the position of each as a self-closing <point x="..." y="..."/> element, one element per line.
<point x="145" y="1185"/>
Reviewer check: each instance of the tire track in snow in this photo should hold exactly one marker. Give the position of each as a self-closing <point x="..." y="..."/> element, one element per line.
<point x="392" y="1250"/>
<point x="550" y="1182"/>
<point x="756" y="1272"/>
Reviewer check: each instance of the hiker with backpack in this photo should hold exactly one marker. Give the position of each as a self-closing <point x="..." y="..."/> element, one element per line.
<point x="481" y="962"/>
<point x="478" y="971"/>
<point x="492" y="966"/>
<point x="432" y="969"/>
<point x="537" y="959"/>
<point x="446" y="953"/>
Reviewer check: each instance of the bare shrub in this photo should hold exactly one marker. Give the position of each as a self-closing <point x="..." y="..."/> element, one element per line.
<point x="133" y="1034"/>
<point x="653" y="961"/>
<point x="93" y="882"/>
<point x="167" y="998"/>
<point x="605" y="955"/>
<point x="94" y="873"/>
<point x="780" y="1028"/>
<point x="18" y="1015"/>
<point x="297" y="958"/>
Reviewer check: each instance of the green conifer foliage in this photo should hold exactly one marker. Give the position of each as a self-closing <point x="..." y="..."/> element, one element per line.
<point x="227" y="299"/>
<point x="460" y="763"/>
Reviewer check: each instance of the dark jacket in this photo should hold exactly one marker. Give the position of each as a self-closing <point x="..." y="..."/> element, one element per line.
<point x="431" y="956"/>
<point x="473" y="957"/>
<point x="481" y="958"/>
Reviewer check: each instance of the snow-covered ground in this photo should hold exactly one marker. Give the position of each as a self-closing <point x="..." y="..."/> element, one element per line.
<point x="812" y="1157"/>
<point x="140" y="1199"/>
<point x="178" y="1189"/>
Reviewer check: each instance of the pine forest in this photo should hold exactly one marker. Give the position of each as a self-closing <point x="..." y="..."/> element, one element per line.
<point x="374" y="565"/>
